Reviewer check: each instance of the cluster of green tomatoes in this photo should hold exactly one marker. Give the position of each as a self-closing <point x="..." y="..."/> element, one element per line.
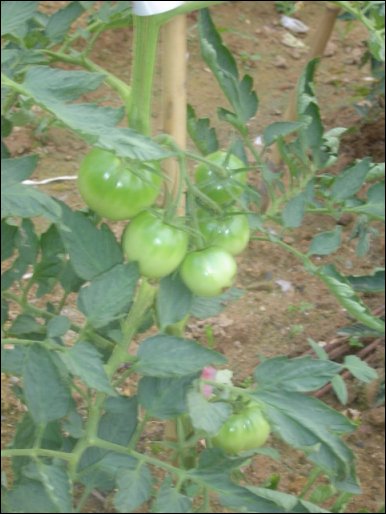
<point x="117" y="189"/>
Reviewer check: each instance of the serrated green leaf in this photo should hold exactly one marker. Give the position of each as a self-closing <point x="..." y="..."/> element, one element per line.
<point x="173" y="301"/>
<point x="288" y="414"/>
<point x="168" y="499"/>
<point x="293" y="212"/>
<point x="205" y="415"/>
<point x="14" y="171"/>
<point x="58" y="326"/>
<point x="343" y="291"/>
<point x="84" y="361"/>
<point x="340" y="389"/>
<point x="134" y="488"/>
<point x="56" y="484"/>
<point x="202" y="135"/>
<point x="282" y="128"/>
<point x="359" y="368"/>
<point x="223" y="65"/>
<point x="374" y="283"/>
<point x="326" y="243"/>
<point x="29" y="495"/>
<point x="167" y="356"/>
<point x="27" y="202"/>
<point x="14" y="16"/>
<point x="119" y="421"/>
<point x="47" y="396"/>
<point x="164" y="398"/>
<point x="349" y="181"/>
<point x="109" y="295"/>
<point x="300" y="374"/>
<point x="8" y="235"/>
<point x="92" y="251"/>
<point x="60" y="22"/>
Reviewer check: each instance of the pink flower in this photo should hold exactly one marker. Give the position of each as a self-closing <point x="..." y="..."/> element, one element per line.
<point x="208" y="373"/>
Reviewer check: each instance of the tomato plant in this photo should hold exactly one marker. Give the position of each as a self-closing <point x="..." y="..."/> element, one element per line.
<point x="115" y="188"/>
<point x="245" y="430"/>
<point x="158" y="247"/>
<point x="230" y="232"/>
<point x="207" y="272"/>
<point x="225" y="185"/>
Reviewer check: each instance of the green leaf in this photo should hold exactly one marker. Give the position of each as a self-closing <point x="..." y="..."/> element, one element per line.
<point x="326" y="243"/>
<point x="281" y="129"/>
<point x="27" y="243"/>
<point x="307" y="106"/>
<point x="53" y="261"/>
<point x="56" y="484"/>
<point x="102" y="473"/>
<point x="134" y="488"/>
<point x="167" y="356"/>
<point x="8" y="235"/>
<point x="46" y="394"/>
<point x="374" y="283"/>
<point x="12" y="360"/>
<point x="288" y="502"/>
<point x="84" y="361"/>
<point x="223" y="65"/>
<point x="48" y="84"/>
<point x="202" y="135"/>
<point x="349" y="182"/>
<point x="109" y="295"/>
<point x="51" y="88"/>
<point x="343" y="291"/>
<point x="92" y="251"/>
<point x="300" y="374"/>
<point x="4" y="311"/>
<point x="340" y="389"/>
<point x="29" y="495"/>
<point x="26" y="326"/>
<point x="173" y="301"/>
<point x="293" y="212"/>
<point x="168" y="499"/>
<point x="14" y="171"/>
<point x="319" y="352"/>
<point x="14" y="16"/>
<point x="205" y="415"/>
<point x="119" y="421"/>
<point x="27" y="202"/>
<point x="60" y="22"/>
<point x="289" y="415"/>
<point x="164" y="398"/>
<point x="58" y="326"/>
<point x="359" y="368"/>
<point x="206" y="307"/>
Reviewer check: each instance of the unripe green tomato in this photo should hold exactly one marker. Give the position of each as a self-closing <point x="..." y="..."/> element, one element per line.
<point x="231" y="232"/>
<point x="117" y="189"/>
<point x="243" y="431"/>
<point x="221" y="188"/>
<point x="207" y="272"/>
<point x="157" y="246"/>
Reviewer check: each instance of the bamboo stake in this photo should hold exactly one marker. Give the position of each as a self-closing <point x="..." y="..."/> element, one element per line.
<point x="174" y="94"/>
<point x="174" y="114"/>
<point x="317" y="49"/>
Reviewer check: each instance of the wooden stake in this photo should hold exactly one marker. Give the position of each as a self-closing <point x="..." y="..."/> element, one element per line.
<point x="174" y="94"/>
<point x="174" y="114"/>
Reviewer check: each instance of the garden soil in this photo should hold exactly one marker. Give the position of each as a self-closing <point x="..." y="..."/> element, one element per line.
<point x="282" y="305"/>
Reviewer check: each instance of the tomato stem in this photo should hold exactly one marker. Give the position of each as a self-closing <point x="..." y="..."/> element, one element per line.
<point x="146" y="30"/>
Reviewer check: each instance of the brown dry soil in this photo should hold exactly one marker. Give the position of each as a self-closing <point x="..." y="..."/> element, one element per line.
<point x="266" y="320"/>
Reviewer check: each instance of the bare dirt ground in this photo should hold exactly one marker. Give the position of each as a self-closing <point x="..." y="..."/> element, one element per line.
<point x="266" y="320"/>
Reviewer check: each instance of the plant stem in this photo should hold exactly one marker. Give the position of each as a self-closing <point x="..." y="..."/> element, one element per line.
<point x="36" y="452"/>
<point x="146" y="30"/>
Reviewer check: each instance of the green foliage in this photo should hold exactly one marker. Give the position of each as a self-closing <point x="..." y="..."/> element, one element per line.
<point x="75" y="314"/>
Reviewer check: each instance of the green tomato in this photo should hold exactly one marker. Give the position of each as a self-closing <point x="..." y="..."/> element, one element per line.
<point x="231" y="233"/>
<point x="243" y="431"/>
<point x="207" y="272"/>
<point x="117" y="189"/>
<point x="157" y="246"/>
<point x="221" y="188"/>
